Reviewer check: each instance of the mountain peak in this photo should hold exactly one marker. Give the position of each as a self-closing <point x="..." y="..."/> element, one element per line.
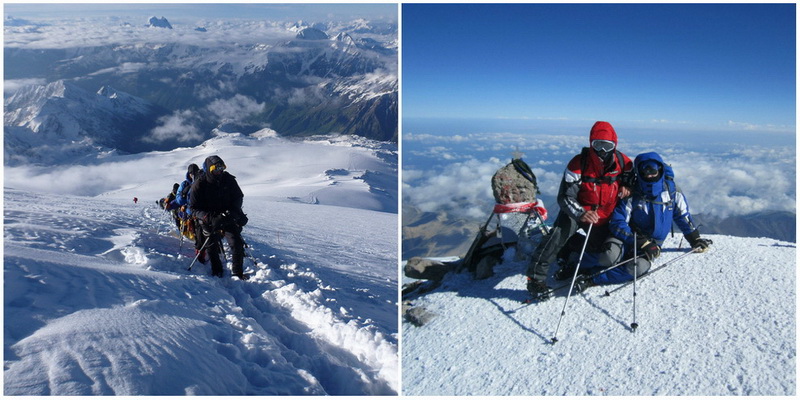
<point x="38" y="93"/>
<point x="162" y="22"/>
<point x="345" y="38"/>
<point x="53" y="123"/>
<point x="312" y="34"/>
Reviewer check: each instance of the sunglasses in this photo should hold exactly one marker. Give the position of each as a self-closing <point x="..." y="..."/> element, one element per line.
<point x="603" y="145"/>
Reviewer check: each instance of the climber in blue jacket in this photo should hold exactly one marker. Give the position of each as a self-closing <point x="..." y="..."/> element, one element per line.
<point x="644" y="219"/>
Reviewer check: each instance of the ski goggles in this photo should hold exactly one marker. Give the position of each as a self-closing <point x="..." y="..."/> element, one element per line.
<point x="650" y="171"/>
<point x="216" y="167"/>
<point x="603" y="145"/>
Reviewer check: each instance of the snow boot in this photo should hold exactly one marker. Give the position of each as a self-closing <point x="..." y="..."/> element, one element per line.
<point x="583" y="283"/>
<point x="242" y="276"/>
<point x="538" y="289"/>
<point x="216" y="266"/>
<point x="566" y="270"/>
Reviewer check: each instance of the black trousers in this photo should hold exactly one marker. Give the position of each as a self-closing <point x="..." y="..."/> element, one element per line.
<point x="562" y="242"/>
<point x="233" y="235"/>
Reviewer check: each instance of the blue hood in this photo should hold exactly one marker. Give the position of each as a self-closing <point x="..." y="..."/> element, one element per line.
<point x="650" y="189"/>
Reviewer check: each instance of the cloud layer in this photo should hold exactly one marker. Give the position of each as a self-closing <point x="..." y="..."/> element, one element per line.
<point x="99" y="31"/>
<point x="453" y="173"/>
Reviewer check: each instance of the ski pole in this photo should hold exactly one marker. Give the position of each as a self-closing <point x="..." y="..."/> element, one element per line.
<point x="542" y="226"/>
<point x="634" y="325"/>
<point x="591" y="276"/>
<point x="198" y="253"/>
<point x="665" y="264"/>
<point x="180" y="232"/>
<point x="574" y="277"/>
<point x="248" y="254"/>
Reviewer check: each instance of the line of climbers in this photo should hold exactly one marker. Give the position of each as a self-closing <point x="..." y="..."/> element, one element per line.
<point x="207" y="207"/>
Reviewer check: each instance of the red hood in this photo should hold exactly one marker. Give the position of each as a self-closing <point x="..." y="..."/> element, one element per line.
<point x="603" y="131"/>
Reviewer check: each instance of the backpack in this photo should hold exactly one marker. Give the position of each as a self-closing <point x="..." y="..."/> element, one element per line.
<point x="514" y="183"/>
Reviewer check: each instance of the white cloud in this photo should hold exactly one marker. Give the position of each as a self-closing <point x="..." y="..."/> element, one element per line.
<point x="306" y="96"/>
<point x="178" y="126"/>
<point x="12" y="85"/>
<point x="80" y="180"/>
<point x="746" y="126"/>
<point x="98" y="31"/>
<point x="235" y="108"/>
<point x="124" y="68"/>
<point x="738" y="184"/>
<point x="462" y="188"/>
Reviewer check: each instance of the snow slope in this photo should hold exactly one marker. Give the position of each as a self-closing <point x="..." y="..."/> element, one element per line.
<point x="717" y="323"/>
<point x="98" y="299"/>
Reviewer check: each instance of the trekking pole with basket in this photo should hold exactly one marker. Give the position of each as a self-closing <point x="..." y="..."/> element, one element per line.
<point x="572" y="285"/>
<point x="634" y="325"/>
<point x="663" y="265"/>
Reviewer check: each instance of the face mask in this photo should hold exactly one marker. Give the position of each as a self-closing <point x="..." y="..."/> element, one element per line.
<point x="605" y="156"/>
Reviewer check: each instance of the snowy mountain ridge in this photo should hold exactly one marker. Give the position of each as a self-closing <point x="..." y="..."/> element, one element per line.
<point x="344" y="81"/>
<point x="98" y="299"/>
<point x="43" y="121"/>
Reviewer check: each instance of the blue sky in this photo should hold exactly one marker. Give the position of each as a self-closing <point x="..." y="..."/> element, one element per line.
<point x="690" y="66"/>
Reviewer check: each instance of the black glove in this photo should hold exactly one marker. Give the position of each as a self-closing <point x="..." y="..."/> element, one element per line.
<point x="214" y="222"/>
<point x="240" y="218"/>
<point x="628" y="178"/>
<point x="648" y="247"/>
<point x="697" y="242"/>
